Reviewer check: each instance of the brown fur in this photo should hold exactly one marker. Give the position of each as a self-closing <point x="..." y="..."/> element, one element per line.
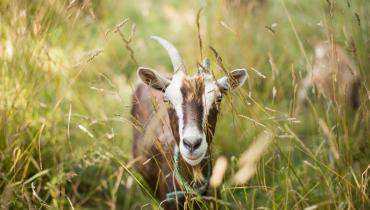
<point x="211" y="122"/>
<point x="192" y="88"/>
<point x="192" y="92"/>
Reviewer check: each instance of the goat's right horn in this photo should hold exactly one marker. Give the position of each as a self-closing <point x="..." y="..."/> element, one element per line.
<point x="175" y="57"/>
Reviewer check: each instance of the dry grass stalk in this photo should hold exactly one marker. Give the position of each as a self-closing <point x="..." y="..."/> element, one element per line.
<point x="229" y="28"/>
<point x="330" y="138"/>
<point x="88" y="56"/>
<point x="199" y="36"/>
<point x="218" y="59"/>
<point x="86" y="131"/>
<point x="258" y="73"/>
<point x="365" y="180"/>
<point x="127" y="41"/>
<point x="218" y="172"/>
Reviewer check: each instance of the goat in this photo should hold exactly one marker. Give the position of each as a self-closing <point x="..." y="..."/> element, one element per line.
<point x="334" y="75"/>
<point x="174" y="123"/>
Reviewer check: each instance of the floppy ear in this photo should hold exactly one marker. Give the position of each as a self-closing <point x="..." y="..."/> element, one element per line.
<point x="235" y="79"/>
<point x="151" y="78"/>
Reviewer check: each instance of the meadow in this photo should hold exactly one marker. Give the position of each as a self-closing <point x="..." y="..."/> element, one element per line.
<point x="68" y="68"/>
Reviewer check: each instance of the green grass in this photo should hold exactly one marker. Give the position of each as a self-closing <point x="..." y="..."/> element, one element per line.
<point x="65" y="134"/>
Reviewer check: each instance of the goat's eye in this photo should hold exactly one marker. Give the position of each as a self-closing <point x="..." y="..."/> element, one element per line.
<point x="219" y="99"/>
<point x="166" y="100"/>
<point x="218" y="102"/>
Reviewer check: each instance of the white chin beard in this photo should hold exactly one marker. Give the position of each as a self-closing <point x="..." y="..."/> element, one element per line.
<point x="194" y="162"/>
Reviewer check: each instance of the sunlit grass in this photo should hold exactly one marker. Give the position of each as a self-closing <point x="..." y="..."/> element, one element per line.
<point x="65" y="93"/>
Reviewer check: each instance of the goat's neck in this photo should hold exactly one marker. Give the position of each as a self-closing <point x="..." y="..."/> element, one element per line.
<point x="189" y="172"/>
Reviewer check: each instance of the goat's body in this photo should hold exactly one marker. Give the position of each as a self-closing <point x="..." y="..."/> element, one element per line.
<point x="153" y="146"/>
<point x="153" y="140"/>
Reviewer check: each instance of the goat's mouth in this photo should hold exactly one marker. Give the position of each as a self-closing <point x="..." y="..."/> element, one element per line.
<point x="193" y="160"/>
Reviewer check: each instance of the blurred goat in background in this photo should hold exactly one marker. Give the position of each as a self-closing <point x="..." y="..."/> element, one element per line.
<point x="335" y="76"/>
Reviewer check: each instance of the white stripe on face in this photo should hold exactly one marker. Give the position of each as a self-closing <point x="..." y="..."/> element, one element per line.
<point x="173" y="93"/>
<point x="211" y="92"/>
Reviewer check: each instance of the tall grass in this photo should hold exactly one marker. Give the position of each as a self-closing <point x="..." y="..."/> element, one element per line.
<point x="66" y="80"/>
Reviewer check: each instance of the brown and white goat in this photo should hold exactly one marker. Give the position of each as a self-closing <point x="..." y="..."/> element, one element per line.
<point x="334" y="75"/>
<point x="175" y="120"/>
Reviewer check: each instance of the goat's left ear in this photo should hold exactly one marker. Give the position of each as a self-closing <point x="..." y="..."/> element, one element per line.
<point x="153" y="79"/>
<point x="235" y="79"/>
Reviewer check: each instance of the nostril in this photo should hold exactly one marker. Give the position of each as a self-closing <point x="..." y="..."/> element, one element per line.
<point x="197" y="144"/>
<point x="187" y="144"/>
<point x="192" y="146"/>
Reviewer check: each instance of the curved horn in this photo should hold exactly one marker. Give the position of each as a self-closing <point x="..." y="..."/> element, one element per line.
<point x="175" y="57"/>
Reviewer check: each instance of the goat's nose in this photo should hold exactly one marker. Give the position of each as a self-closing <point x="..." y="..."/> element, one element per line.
<point x="191" y="146"/>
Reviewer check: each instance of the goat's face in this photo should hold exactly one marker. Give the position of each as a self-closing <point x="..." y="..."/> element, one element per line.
<point x="193" y="103"/>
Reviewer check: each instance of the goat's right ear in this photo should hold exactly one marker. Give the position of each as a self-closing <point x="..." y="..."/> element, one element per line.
<point x="236" y="78"/>
<point x="151" y="78"/>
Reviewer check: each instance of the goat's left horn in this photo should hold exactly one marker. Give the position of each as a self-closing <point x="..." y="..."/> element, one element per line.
<point x="178" y="65"/>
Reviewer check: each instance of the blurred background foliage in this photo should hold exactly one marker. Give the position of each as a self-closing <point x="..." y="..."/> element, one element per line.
<point x="68" y="69"/>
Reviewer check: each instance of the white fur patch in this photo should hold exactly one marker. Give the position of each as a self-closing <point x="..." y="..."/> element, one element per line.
<point x="211" y="92"/>
<point x="192" y="134"/>
<point x="173" y="93"/>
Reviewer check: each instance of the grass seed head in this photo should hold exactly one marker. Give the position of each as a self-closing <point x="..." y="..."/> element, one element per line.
<point x="218" y="172"/>
<point x="249" y="159"/>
